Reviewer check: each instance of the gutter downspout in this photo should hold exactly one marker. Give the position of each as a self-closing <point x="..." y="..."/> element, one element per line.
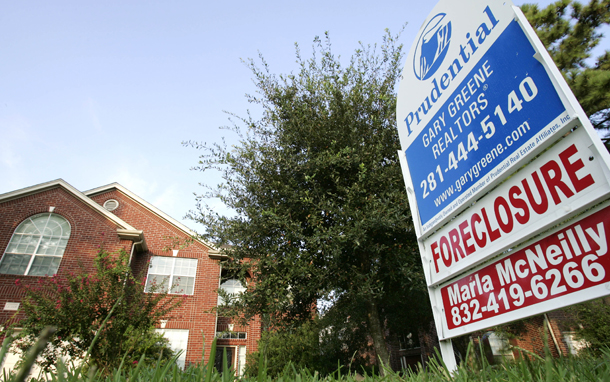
<point x="216" y="311"/>
<point x="548" y="324"/>
<point x="133" y="247"/>
<point x="219" y="281"/>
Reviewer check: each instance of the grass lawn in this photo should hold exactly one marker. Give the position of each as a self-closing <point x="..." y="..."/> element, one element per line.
<point x="529" y="368"/>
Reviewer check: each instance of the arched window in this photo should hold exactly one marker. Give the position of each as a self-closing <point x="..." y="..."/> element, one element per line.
<point x="231" y="286"/>
<point x="37" y="246"/>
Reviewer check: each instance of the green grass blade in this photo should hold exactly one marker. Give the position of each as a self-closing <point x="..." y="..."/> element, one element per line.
<point x="38" y="347"/>
<point x="208" y="376"/>
<point x="225" y="369"/>
<point x="5" y="345"/>
<point x="262" y="367"/>
<point x="134" y="374"/>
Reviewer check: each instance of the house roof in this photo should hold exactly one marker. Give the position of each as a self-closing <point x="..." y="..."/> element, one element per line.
<point x="213" y="251"/>
<point x="124" y="230"/>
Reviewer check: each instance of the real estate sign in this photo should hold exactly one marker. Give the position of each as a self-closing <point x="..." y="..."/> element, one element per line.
<point x="508" y="182"/>
<point x="555" y="185"/>
<point x="565" y="267"/>
<point x="473" y="95"/>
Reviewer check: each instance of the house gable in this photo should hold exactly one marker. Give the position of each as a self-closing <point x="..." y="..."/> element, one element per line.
<point x="163" y="231"/>
<point x="90" y="230"/>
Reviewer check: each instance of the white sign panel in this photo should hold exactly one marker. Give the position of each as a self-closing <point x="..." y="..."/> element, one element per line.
<point x="561" y="181"/>
<point x="473" y="95"/>
<point x="481" y="105"/>
<point x="568" y="266"/>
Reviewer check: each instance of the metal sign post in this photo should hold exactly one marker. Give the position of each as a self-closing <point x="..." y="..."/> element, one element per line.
<point x="496" y="151"/>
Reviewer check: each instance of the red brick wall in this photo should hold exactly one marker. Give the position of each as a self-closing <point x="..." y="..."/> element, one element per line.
<point x="559" y="320"/>
<point x="157" y="231"/>
<point x="89" y="229"/>
<point x="197" y="311"/>
<point x="536" y="336"/>
<point x="253" y="330"/>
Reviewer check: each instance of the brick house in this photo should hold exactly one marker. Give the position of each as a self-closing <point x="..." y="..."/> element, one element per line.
<point x="549" y="330"/>
<point x="52" y="228"/>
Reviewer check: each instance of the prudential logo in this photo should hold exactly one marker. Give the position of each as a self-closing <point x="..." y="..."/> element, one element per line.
<point x="432" y="47"/>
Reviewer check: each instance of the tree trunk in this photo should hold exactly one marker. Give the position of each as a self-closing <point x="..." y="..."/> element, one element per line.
<point x="376" y="331"/>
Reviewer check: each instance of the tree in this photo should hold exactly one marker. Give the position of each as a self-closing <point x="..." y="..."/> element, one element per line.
<point x="570" y="39"/>
<point x="78" y="304"/>
<point x="318" y="194"/>
<point x="281" y="348"/>
<point x="590" y="320"/>
<point x="320" y="344"/>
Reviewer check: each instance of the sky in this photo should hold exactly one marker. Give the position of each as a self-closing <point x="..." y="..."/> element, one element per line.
<point x="103" y="92"/>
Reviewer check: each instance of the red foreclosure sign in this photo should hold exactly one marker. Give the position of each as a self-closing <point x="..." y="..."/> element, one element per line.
<point x="569" y="260"/>
<point x="559" y="182"/>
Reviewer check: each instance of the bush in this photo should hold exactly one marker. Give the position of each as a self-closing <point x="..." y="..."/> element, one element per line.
<point x="77" y="305"/>
<point x="299" y="347"/>
<point x="315" y="345"/>
<point x="592" y="322"/>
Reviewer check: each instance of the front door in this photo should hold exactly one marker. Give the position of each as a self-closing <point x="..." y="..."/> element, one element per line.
<point x="230" y="357"/>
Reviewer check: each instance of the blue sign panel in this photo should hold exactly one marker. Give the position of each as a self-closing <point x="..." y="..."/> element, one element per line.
<point x="506" y="100"/>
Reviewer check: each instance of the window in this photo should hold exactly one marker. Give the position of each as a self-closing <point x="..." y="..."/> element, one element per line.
<point x="231" y="335"/>
<point x="218" y="364"/>
<point x="231" y="286"/>
<point x="574" y="344"/>
<point x="37" y="246"/>
<point x="236" y="359"/>
<point x="178" y="341"/>
<point x="406" y="342"/>
<point x="177" y="272"/>
<point x="403" y="363"/>
<point x="500" y="347"/>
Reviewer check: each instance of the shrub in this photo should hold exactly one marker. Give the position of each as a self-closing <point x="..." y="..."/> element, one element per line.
<point x="77" y="304"/>
<point x="592" y="322"/>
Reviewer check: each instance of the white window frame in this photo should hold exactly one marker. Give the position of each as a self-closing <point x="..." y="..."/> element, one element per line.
<point x="233" y="290"/>
<point x="34" y="254"/>
<point x="177" y="338"/>
<point x="500" y="347"/>
<point x="232" y="335"/>
<point x="574" y="345"/>
<point x="171" y="275"/>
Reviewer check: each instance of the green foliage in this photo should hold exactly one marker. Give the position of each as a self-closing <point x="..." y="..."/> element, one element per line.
<point x="320" y="205"/>
<point x="78" y="304"/>
<point x="592" y="322"/>
<point x="570" y="30"/>
<point x="300" y="347"/>
<point x="529" y="367"/>
<point x="312" y="345"/>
